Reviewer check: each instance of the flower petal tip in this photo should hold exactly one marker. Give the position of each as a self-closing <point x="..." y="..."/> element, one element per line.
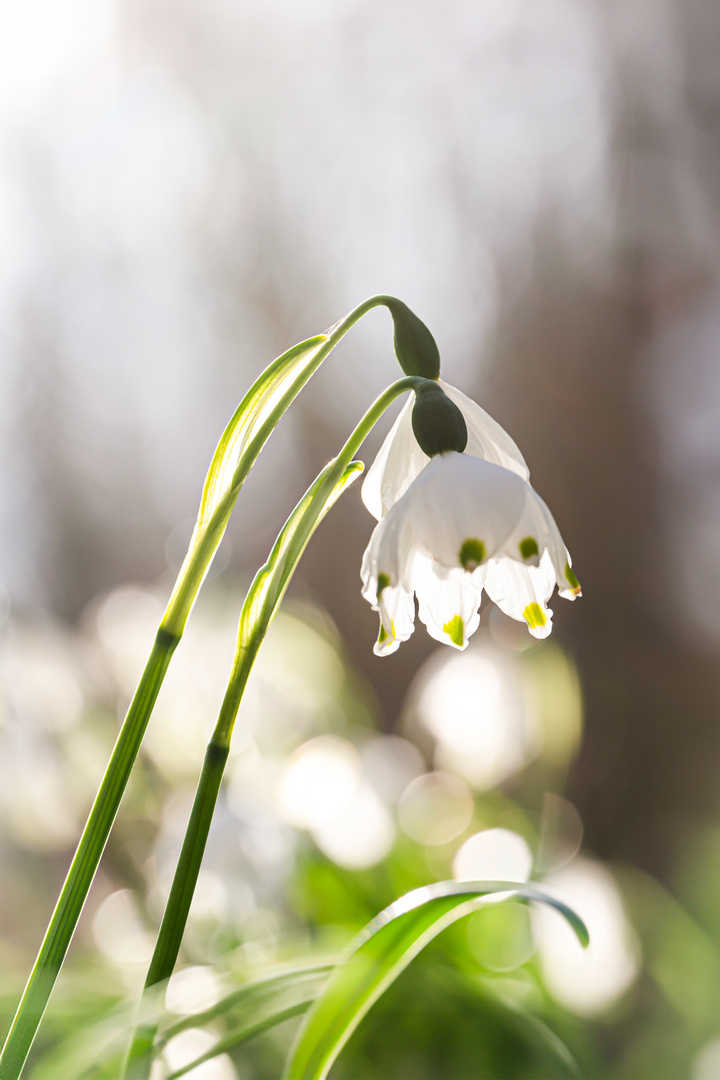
<point x="455" y="630"/>
<point x="387" y="641"/>
<point x="575" y="587"/>
<point x="539" y="620"/>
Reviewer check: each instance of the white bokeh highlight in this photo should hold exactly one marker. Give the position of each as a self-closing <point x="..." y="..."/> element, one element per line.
<point x="435" y="808"/>
<point x="319" y="782"/>
<point x="474" y="707"/>
<point x="493" y="855"/>
<point x="191" y="990"/>
<point x="587" y="981"/>
<point x="360" y="835"/>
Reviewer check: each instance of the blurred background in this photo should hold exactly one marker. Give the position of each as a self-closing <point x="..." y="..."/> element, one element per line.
<point x="186" y="190"/>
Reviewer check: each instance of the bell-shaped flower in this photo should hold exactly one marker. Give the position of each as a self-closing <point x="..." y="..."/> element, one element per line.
<point x="400" y="459"/>
<point x="462" y="525"/>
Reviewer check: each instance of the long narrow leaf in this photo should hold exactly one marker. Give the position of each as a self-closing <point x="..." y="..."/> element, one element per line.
<point x="283" y="374"/>
<point x="382" y="951"/>
<point x="246" y="1031"/>
<point x="252" y="994"/>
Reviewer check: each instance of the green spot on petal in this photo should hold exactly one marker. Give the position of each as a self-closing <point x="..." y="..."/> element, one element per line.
<point x="383" y="582"/>
<point x="529" y="547"/>
<point x="471" y="554"/>
<point x="383" y="636"/>
<point x="534" y="616"/>
<point x="572" y="579"/>
<point x="455" y="630"/>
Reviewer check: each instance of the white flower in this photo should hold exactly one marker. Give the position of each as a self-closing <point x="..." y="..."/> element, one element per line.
<point x="461" y="524"/>
<point x="400" y="459"/>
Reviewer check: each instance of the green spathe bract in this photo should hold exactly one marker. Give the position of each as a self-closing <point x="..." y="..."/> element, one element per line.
<point x="415" y="347"/>
<point x="437" y="422"/>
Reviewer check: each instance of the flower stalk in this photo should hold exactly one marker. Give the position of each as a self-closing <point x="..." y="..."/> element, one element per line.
<point x="260" y="606"/>
<point x="254" y="420"/>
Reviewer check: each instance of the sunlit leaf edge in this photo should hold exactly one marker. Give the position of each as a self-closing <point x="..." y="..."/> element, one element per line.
<point x="239" y="429"/>
<point x="383" y="950"/>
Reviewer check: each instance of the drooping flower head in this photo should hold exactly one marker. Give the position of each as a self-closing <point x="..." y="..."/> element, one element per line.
<point x="400" y="459"/>
<point x="453" y="522"/>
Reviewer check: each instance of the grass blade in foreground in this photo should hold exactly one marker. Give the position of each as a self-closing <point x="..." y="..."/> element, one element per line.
<point x="382" y="951"/>
<point x="260" y="993"/>
<point x="246" y="1031"/>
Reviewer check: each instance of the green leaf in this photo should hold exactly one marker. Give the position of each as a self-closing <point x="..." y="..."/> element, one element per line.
<point x="255" y="995"/>
<point x="265" y="1003"/>
<point x="245" y="1031"/>
<point x="382" y="951"/>
<point x="257" y="413"/>
<point x="270" y="582"/>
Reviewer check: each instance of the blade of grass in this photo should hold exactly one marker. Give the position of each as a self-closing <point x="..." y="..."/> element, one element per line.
<point x="382" y="951"/>
<point x="250" y="994"/>
<point x="244" y="1032"/>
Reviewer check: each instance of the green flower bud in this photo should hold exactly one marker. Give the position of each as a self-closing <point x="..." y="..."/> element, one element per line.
<point x="415" y="346"/>
<point x="437" y="422"/>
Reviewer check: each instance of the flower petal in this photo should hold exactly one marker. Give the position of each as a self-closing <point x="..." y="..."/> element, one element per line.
<point x="568" y="585"/>
<point x="486" y="438"/>
<point x="399" y="461"/>
<point x="384" y="580"/>
<point x="448" y="601"/>
<point x="397" y="619"/>
<point x="522" y="591"/>
<point x="460" y="501"/>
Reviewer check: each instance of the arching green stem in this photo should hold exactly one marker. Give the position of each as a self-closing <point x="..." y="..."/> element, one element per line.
<point x="260" y="606"/>
<point x="254" y="420"/>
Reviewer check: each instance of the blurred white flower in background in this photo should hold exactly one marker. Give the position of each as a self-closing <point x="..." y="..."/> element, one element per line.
<point x="361" y="835"/>
<point x="192" y="989"/>
<point x="320" y="781"/>
<point x="119" y="932"/>
<point x="706" y="1063"/>
<point x="500" y="934"/>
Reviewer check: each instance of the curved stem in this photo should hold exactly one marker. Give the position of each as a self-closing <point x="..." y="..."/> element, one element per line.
<point x="104" y="810"/>
<point x="260" y="606"/>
